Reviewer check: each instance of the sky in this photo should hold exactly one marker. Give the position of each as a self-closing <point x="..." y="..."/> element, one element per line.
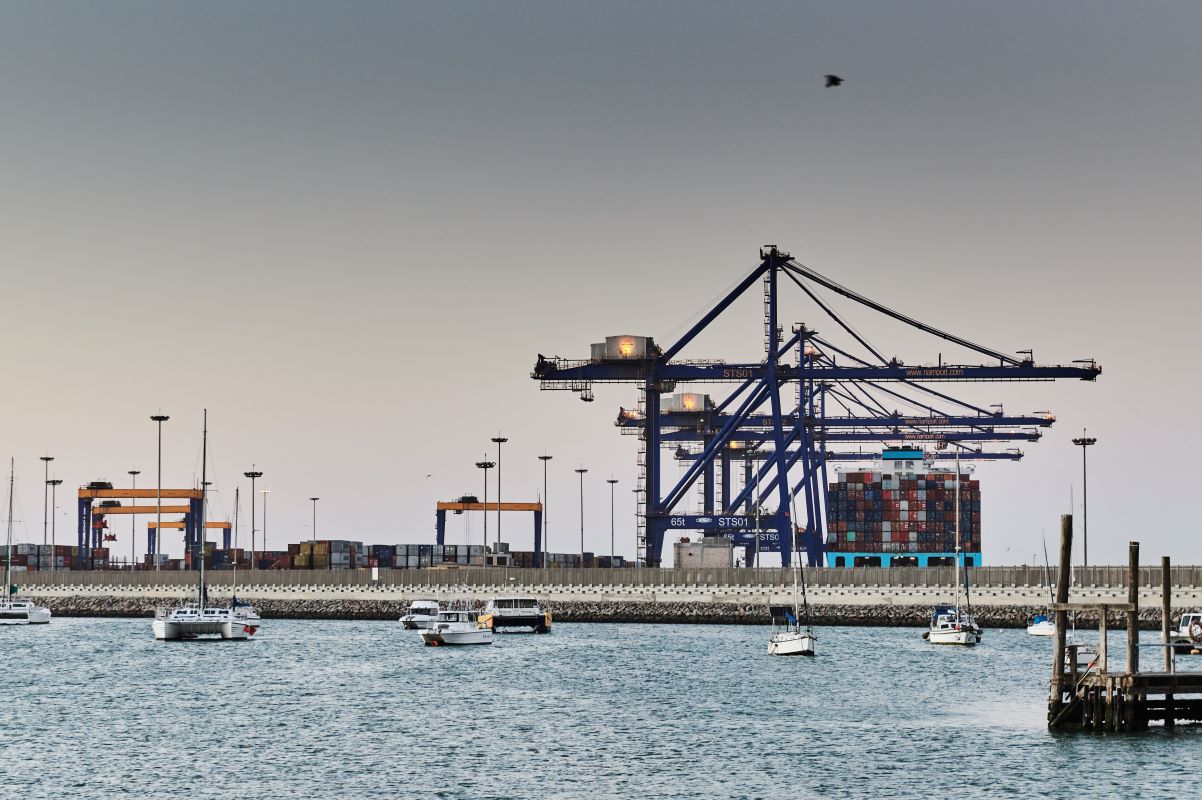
<point x="347" y="229"/>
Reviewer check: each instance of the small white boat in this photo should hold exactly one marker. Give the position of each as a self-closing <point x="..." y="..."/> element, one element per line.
<point x="515" y="612"/>
<point x="456" y="627"/>
<point x="192" y="622"/>
<point x="1187" y="639"/>
<point x="18" y="611"/>
<point x="1041" y="625"/>
<point x="421" y="614"/>
<point x="791" y="642"/>
<point x="952" y="625"/>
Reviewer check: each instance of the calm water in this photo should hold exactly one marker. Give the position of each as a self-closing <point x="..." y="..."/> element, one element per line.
<point x="331" y="710"/>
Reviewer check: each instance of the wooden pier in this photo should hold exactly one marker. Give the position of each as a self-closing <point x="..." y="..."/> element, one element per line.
<point x="1085" y="695"/>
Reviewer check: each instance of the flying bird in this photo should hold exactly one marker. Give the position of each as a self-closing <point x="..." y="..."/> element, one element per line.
<point x="832" y="81"/>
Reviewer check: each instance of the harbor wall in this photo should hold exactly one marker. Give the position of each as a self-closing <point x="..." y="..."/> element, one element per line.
<point x="1001" y="596"/>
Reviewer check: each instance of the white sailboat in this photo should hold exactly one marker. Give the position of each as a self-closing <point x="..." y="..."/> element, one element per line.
<point x="193" y="620"/>
<point x="16" y="610"/>
<point x="1042" y="624"/>
<point x="789" y="636"/>
<point x="953" y="624"/>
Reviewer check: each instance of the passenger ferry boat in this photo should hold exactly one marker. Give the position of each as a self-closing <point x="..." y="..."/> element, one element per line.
<point x="456" y="627"/>
<point x="515" y="612"/>
<point x="421" y="614"/>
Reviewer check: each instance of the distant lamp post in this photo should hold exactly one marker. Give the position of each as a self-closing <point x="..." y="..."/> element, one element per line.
<point x="264" y="492"/>
<point x="158" y="512"/>
<point x="486" y="466"/>
<point x="499" y="440"/>
<point x="612" y="483"/>
<point x="54" y="484"/>
<point x="312" y="550"/>
<point x="581" y="472"/>
<point x="546" y="548"/>
<point x="133" y="520"/>
<point x="253" y="474"/>
<point x="45" y="499"/>
<point x="1084" y="442"/>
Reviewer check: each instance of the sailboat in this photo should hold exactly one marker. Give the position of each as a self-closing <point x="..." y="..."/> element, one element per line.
<point x="193" y="620"/>
<point x="953" y="624"/>
<point x="16" y="610"/>
<point x="789" y="636"/>
<point x="1042" y="624"/>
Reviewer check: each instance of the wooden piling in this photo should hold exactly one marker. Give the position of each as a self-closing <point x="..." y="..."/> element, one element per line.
<point x="1166" y="629"/>
<point x="1132" y="608"/>
<point x="1062" y="582"/>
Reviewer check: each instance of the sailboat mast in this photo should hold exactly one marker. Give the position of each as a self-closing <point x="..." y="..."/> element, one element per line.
<point x="957" y="521"/>
<point x="235" y="574"/>
<point x="8" y="539"/>
<point x="204" y="491"/>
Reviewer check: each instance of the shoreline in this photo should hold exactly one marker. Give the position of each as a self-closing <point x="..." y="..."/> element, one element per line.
<point x="654" y="612"/>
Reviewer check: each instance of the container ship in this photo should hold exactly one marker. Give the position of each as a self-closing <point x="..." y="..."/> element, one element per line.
<point x="902" y="513"/>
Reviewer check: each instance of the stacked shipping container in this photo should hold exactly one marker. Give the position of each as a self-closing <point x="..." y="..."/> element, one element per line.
<point x="902" y="512"/>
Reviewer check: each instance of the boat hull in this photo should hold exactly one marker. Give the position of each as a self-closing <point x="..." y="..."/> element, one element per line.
<point x="964" y="638"/>
<point x="25" y="616"/>
<point x="452" y="638"/>
<point x="1042" y="629"/>
<point x="791" y="644"/>
<point x="538" y="623"/>
<point x="416" y="622"/>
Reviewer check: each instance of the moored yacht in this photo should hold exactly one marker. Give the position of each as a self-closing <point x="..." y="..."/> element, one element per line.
<point x="421" y="614"/>
<point x="192" y="622"/>
<point x="952" y="625"/>
<point x="1041" y="625"/>
<point x="16" y="610"/>
<point x="456" y="627"/>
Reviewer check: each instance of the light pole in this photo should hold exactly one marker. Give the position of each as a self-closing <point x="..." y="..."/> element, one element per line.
<point x="500" y="440"/>
<point x="312" y="550"/>
<point x="264" y="492"/>
<point x="581" y="472"/>
<point x="486" y="466"/>
<point x="54" y="484"/>
<point x="546" y="548"/>
<point x="254" y="473"/>
<point x="133" y="521"/>
<point x="612" y="483"/>
<point x="45" y="507"/>
<point x="1083" y="442"/>
<point x="158" y="512"/>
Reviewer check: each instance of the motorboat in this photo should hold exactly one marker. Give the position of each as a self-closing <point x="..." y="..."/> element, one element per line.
<point x="952" y="625"/>
<point x="456" y="627"/>
<point x="1187" y="639"/>
<point x="193" y="622"/>
<point x="421" y="614"/>
<point x="16" y="610"/>
<point x="515" y="612"/>
<point x="1041" y="625"/>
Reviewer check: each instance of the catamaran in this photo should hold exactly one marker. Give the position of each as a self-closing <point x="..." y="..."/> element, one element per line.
<point x="953" y="624"/>
<point x="193" y="620"/>
<point x="16" y="610"/>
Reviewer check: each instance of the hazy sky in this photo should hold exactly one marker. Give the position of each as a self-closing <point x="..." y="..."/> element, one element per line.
<point x="347" y="229"/>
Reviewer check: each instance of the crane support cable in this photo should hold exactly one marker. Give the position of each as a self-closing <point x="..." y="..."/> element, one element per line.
<point x="863" y="342"/>
<point x="804" y="271"/>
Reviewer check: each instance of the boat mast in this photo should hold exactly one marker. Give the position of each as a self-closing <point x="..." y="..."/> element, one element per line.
<point x="957" y="521"/>
<point x="8" y="539"/>
<point x="204" y="489"/>
<point x="234" y="580"/>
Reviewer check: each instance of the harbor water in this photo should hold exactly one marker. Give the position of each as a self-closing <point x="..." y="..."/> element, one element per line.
<point x="95" y="708"/>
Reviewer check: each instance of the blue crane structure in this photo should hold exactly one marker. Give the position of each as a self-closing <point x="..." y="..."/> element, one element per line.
<point x="791" y="442"/>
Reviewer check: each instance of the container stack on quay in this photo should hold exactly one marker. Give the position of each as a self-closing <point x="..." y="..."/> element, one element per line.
<point x="905" y="514"/>
<point x="47" y="557"/>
